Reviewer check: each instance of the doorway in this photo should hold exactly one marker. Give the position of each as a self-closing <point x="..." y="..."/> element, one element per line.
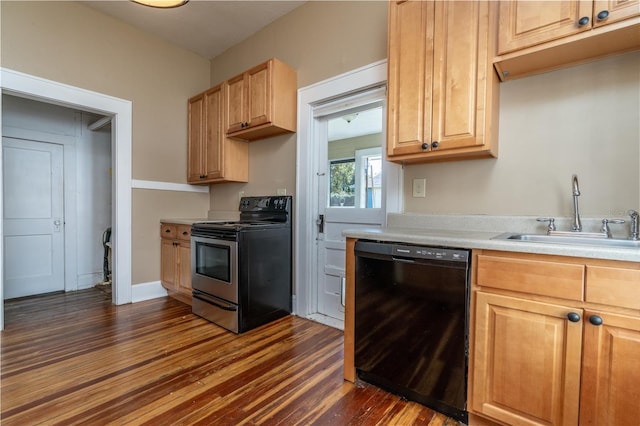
<point x="120" y="110"/>
<point x="57" y="205"/>
<point x="326" y="202"/>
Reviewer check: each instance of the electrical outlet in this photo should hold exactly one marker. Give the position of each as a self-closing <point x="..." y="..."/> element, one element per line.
<point x="420" y="188"/>
<point x="240" y="195"/>
<point x="281" y="191"/>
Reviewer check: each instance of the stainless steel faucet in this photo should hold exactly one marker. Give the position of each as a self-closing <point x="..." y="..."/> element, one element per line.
<point x="577" y="225"/>
<point x="633" y="230"/>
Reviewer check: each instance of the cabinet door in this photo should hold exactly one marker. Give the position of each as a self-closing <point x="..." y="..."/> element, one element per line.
<point x="213" y="149"/>
<point x="410" y="76"/>
<point x="611" y="370"/>
<point x="259" y="89"/>
<point x="235" y="101"/>
<point x="614" y="10"/>
<point x="195" y="163"/>
<point x="526" y="361"/>
<point x="168" y="263"/>
<point x="525" y="23"/>
<point x="184" y="269"/>
<point x="460" y="74"/>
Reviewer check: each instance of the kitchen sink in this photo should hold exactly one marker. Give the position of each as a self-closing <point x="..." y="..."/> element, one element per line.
<point x="569" y="239"/>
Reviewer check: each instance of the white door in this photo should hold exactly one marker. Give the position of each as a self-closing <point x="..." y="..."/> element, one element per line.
<point x="351" y="193"/>
<point x="33" y="217"/>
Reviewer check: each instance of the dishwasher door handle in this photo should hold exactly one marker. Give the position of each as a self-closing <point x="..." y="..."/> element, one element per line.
<point x="401" y="259"/>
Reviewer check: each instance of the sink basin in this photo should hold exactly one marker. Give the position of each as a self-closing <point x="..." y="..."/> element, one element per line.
<point x="568" y="239"/>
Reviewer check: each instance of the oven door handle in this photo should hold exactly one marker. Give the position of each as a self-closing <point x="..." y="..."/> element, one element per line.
<point x="215" y="301"/>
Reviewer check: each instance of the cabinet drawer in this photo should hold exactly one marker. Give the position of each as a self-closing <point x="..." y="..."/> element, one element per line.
<point x="184" y="232"/>
<point x="613" y="286"/>
<point x="168" y="231"/>
<point x="545" y="278"/>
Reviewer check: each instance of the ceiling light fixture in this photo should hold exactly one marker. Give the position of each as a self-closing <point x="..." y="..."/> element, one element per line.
<point x="349" y="117"/>
<point x="162" y="4"/>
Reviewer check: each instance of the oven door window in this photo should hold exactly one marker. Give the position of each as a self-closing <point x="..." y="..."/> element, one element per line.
<point x="213" y="261"/>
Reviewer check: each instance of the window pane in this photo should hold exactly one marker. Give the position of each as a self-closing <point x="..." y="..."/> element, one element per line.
<point x="355" y="159"/>
<point x="342" y="182"/>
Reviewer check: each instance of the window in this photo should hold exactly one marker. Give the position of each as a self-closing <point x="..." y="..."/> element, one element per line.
<point x="356" y="182"/>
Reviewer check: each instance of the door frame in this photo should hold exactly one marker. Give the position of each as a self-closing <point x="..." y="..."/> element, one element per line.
<point x="27" y="86"/>
<point x="306" y="200"/>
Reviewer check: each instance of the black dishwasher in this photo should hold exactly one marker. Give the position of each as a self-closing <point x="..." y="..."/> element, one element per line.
<point x="411" y="322"/>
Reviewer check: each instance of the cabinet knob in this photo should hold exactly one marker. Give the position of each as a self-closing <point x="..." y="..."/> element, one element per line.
<point x="573" y="317"/>
<point x="167" y="231"/>
<point x="435" y="144"/>
<point x="595" y="320"/>
<point x="583" y="21"/>
<point x="425" y="146"/>
<point x="603" y="15"/>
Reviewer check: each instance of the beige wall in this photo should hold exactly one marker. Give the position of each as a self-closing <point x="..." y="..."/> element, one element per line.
<point x="580" y="120"/>
<point x="73" y="44"/>
<point x="320" y="39"/>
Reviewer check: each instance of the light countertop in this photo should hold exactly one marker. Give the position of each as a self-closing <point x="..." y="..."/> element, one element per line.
<point x="450" y="232"/>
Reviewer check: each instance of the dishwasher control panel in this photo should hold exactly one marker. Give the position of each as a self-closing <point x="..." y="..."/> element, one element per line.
<point x="422" y="252"/>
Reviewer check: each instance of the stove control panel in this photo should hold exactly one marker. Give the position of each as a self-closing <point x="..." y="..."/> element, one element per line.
<point x="276" y="203"/>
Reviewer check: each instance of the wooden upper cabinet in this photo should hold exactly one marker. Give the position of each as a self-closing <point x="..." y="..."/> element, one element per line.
<point x="261" y="102"/>
<point x="212" y="157"/>
<point x="442" y="89"/>
<point x="525" y="23"/>
<point x="195" y="163"/>
<point x="609" y="11"/>
<point x="537" y="35"/>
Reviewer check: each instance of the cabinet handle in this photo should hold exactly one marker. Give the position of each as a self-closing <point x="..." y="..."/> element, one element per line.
<point x="583" y="21"/>
<point x="573" y="317"/>
<point x="603" y="15"/>
<point x="595" y="320"/>
<point x="425" y="146"/>
<point x="435" y="144"/>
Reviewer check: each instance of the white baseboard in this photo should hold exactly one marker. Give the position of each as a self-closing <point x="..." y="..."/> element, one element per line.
<point x="146" y="291"/>
<point x="89" y="280"/>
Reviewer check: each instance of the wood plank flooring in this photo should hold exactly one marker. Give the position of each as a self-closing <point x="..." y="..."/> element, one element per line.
<point x="75" y="358"/>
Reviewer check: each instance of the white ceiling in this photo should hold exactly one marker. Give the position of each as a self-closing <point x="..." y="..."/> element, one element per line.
<point x="206" y="27"/>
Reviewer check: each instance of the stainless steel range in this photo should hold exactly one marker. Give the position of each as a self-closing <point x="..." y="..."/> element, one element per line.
<point x="242" y="270"/>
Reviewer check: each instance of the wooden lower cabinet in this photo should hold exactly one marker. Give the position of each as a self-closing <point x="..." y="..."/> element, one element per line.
<point x="610" y="392"/>
<point x="542" y="359"/>
<point x="527" y="361"/>
<point x="175" y="264"/>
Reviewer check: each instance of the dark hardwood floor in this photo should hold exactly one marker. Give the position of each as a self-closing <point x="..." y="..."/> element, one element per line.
<point x="75" y="358"/>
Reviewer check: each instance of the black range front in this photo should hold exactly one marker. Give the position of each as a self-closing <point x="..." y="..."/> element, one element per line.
<point x="242" y="270"/>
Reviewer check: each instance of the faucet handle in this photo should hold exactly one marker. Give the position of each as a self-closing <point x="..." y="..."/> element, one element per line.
<point x="635" y="224"/>
<point x="605" y="226"/>
<point x="550" y="220"/>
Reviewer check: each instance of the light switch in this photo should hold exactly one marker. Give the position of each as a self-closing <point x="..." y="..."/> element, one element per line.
<point x="420" y="188"/>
